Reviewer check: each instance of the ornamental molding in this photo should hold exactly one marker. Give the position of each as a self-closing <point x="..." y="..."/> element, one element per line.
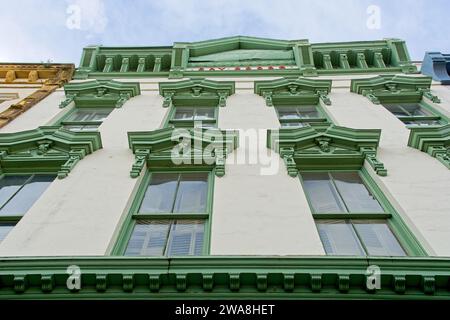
<point x="246" y="56"/>
<point x="176" y="147"/>
<point x="293" y="91"/>
<point x="100" y="93"/>
<point x="45" y="149"/>
<point x="48" y="76"/>
<point x="394" y="88"/>
<point x="225" y="277"/>
<point x="435" y="65"/>
<point x="433" y="140"/>
<point x="326" y="146"/>
<point x="196" y="92"/>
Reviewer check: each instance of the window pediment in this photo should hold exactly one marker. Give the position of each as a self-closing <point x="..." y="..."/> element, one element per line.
<point x="291" y="91"/>
<point x="46" y="149"/>
<point x="326" y="146"/>
<point x="390" y="89"/>
<point x="175" y="147"/>
<point x="100" y="93"/>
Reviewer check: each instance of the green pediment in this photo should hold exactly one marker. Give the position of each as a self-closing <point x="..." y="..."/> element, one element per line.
<point x="179" y="148"/>
<point x="394" y="88"/>
<point x="293" y="91"/>
<point x="433" y="140"/>
<point x="49" y="149"/>
<point x="100" y="93"/>
<point x="326" y="146"/>
<point x="196" y="92"/>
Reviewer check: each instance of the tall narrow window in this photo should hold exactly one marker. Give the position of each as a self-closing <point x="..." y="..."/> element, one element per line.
<point x="299" y="115"/>
<point x="86" y="119"/>
<point x="414" y="114"/>
<point x="17" y="194"/>
<point x="350" y="217"/>
<point x="170" y="219"/>
<point x="188" y="116"/>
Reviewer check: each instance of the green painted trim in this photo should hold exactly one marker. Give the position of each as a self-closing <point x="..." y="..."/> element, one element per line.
<point x="229" y="277"/>
<point x="170" y="122"/>
<point x="289" y="91"/>
<point x="207" y="147"/>
<point x="394" y="88"/>
<point x="274" y="58"/>
<point x="133" y="214"/>
<point x="326" y="146"/>
<point x="196" y="92"/>
<point x="46" y="149"/>
<point x="98" y="93"/>
<point x="433" y="140"/>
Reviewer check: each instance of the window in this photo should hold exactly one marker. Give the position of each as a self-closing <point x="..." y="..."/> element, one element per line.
<point x="299" y="116"/>
<point x="353" y="218"/>
<point x="17" y="194"/>
<point x="85" y="119"/>
<point x="414" y="114"/>
<point x="358" y="237"/>
<point x="170" y="218"/>
<point x="185" y="116"/>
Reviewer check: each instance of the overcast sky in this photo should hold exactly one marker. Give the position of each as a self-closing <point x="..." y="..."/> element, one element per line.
<point x="35" y="31"/>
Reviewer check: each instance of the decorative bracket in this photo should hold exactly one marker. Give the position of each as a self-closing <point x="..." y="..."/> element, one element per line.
<point x="427" y="94"/>
<point x="267" y="95"/>
<point x="140" y="156"/>
<point x="371" y="158"/>
<point x="67" y="101"/>
<point x="288" y="156"/>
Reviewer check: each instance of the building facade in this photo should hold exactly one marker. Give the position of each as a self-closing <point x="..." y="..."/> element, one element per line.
<point x="230" y="168"/>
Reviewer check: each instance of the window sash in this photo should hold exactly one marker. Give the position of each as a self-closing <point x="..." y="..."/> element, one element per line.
<point x="17" y="203"/>
<point x="332" y="196"/>
<point x="89" y="115"/>
<point x="359" y="237"/>
<point x="167" y="238"/>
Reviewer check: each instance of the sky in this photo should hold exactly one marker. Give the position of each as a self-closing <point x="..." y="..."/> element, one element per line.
<point x="57" y="30"/>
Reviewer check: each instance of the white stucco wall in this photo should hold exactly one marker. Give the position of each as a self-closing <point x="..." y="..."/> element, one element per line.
<point x="252" y="214"/>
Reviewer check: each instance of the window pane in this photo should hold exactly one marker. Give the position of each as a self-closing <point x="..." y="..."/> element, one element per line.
<point x="192" y="193"/>
<point x="378" y="239"/>
<point x="396" y="110"/>
<point x="294" y="124"/>
<point x="423" y="122"/>
<point x="204" y="113"/>
<point x="186" y="113"/>
<point x="339" y="238"/>
<point x="88" y="127"/>
<point x="5" y="228"/>
<point x="186" y="238"/>
<point x="287" y="113"/>
<point x="9" y="185"/>
<point x="356" y="196"/>
<point x="308" y="112"/>
<point x="415" y="109"/>
<point x="321" y="193"/>
<point x="160" y="193"/>
<point x="27" y="196"/>
<point x="90" y="114"/>
<point x="149" y="238"/>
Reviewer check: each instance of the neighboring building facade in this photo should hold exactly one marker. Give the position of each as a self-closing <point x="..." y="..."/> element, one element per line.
<point x="231" y="168"/>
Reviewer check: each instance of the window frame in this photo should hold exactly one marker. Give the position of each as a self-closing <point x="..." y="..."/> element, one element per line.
<point x="405" y="237"/>
<point x="170" y="122"/>
<point x="63" y="120"/>
<point x="434" y="115"/>
<point x="124" y="237"/>
<point x="323" y="116"/>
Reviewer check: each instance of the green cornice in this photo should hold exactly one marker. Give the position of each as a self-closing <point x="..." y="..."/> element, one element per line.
<point x="176" y="147"/>
<point x="233" y="277"/>
<point x="325" y="146"/>
<point x="100" y="93"/>
<point x="292" y="91"/>
<point x="433" y="140"/>
<point x="394" y="88"/>
<point x="226" y="57"/>
<point x="49" y="149"/>
<point x="196" y="92"/>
